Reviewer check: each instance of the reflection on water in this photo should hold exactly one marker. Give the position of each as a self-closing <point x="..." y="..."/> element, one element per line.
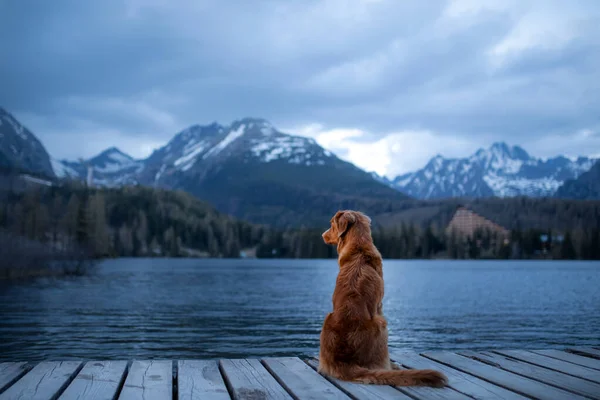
<point x="157" y="308"/>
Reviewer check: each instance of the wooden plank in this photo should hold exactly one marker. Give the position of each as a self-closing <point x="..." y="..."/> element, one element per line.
<point x="200" y="379"/>
<point x="508" y="380"/>
<point x="10" y="372"/>
<point x="586" y="351"/>
<point x="45" y="381"/>
<point x="301" y="380"/>
<point x="570" y="357"/>
<point x="554" y="364"/>
<point x="420" y="392"/>
<point x="98" y="380"/>
<point x="460" y="381"/>
<point x="148" y="380"/>
<point x="363" y="392"/>
<point x="249" y="379"/>
<point x="560" y="380"/>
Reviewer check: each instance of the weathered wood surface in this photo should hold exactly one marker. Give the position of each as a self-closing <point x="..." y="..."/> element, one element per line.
<point x="364" y="392"/>
<point x="43" y="382"/>
<point x="301" y="380"/>
<point x="98" y="380"/>
<point x="249" y="379"/>
<point x="486" y="375"/>
<point x="10" y="372"/>
<point x="200" y="379"/>
<point x="459" y="381"/>
<point x="426" y="393"/>
<point x="508" y="380"/>
<point x="587" y="351"/>
<point x="557" y="379"/>
<point x="570" y="357"/>
<point x="148" y="380"/>
<point x="556" y="365"/>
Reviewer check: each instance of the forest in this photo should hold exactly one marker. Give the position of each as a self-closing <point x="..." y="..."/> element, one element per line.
<point x="135" y="221"/>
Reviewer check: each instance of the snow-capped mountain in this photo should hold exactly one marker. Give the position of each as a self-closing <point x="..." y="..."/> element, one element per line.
<point x="110" y="168"/>
<point x="247" y="168"/>
<point x="20" y="149"/>
<point x="199" y="148"/>
<point x="252" y="170"/>
<point x="501" y="171"/>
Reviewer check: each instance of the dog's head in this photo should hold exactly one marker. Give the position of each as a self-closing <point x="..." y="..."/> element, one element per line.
<point x="345" y="222"/>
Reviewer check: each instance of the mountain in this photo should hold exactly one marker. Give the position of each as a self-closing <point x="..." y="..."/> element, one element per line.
<point x="251" y="170"/>
<point x="110" y="168"/>
<point x="20" y="149"/>
<point x="585" y="187"/>
<point x="248" y="169"/>
<point x="501" y="171"/>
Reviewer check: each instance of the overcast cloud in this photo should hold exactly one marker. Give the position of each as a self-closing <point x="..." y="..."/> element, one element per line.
<point x="386" y="84"/>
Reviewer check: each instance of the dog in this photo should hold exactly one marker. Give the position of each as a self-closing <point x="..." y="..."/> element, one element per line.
<point x="354" y="337"/>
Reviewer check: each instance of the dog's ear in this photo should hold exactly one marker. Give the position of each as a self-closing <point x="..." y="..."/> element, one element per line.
<point x="343" y="220"/>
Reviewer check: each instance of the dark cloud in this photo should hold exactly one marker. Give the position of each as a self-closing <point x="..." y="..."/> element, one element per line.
<point x="132" y="70"/>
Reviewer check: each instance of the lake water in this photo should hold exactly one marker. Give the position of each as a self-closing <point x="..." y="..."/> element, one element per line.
<point x="157" y="308"/>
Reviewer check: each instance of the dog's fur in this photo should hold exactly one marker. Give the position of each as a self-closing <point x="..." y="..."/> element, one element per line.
<point x="354" y="338"/>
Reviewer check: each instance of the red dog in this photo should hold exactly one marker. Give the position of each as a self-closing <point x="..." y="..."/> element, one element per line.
<point x="354" y="338"/>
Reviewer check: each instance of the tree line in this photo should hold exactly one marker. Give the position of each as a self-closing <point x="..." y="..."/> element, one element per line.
<point x="410" y="241"/>
<point x="138" y="221"/>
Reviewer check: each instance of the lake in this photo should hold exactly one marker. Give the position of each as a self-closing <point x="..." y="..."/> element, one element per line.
<point x="188" y="308"/>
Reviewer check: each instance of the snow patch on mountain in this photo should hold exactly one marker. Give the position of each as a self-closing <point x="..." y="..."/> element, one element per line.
<point x="190" y="152"/>
<point x="62" y="170"/>
<point x="17" y="127"/>
<point x="230" y="138"/>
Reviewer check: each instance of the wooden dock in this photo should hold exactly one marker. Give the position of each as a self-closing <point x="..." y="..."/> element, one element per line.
<point x="569" y="374"/>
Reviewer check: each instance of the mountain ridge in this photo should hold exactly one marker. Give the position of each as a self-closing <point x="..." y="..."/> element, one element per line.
<point x="21" y="149"/>
<point x="248" y="169"/>
<point x="501" y="170"/>
<point x="585" y="187"/>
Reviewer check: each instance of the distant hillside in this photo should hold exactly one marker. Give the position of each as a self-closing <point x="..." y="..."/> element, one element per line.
<point x="512" y="213"/>
<point x="585" y="187"/>
<point x="130" y="221"/>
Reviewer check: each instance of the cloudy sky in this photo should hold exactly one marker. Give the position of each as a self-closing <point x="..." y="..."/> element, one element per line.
<point x="386" y="84"/>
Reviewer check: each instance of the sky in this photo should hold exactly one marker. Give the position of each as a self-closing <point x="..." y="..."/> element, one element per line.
<point x="385" y="84"/>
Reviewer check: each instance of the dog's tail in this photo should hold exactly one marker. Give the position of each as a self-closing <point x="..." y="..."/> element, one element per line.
<point x="410" y="377"/>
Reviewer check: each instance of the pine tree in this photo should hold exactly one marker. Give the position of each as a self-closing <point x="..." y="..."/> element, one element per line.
<point x="567" y="248"/>
<point x="97" y="231"/>
<point x="69" y="222"/>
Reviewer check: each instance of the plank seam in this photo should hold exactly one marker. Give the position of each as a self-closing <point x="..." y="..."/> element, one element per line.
<point x="350" y="394"/>
<point x="65" y="385"/>
<point x="480" y="377"/>
<point x="279" y="380"/>
<point x="25" y="369"/>
<point x="543" y="366"/>
<point x="408" y="394"/>
<point x="174" y="384"/>
<point x="570" y="362"/>
<point x="228" y="384"/>
<point x="122" y="381"/>
<point x="331" y="381"/>
<point x="583" y="353"/>
<point x="528" y="377"/>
